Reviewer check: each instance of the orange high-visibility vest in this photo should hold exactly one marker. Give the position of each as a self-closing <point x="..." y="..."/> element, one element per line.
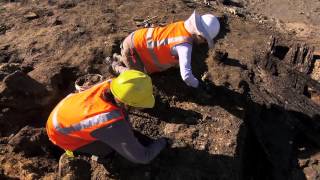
<point x="154" y="45"/>
<point x="76" y="116"/>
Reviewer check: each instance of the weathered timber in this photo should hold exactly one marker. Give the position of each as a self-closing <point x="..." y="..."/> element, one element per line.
<point x="279" y="110"/>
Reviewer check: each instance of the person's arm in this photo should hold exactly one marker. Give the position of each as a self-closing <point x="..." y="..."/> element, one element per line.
<point x="184" y="53"/>
<point x="120" y="137"/>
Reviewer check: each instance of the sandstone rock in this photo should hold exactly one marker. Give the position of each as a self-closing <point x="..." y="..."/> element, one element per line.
<point x="31" y="16"/>
<point x="67" y="4"/>
<point x="31" y="141"/>
<point x="55" y="22"/>
<point x="21" y="83"/>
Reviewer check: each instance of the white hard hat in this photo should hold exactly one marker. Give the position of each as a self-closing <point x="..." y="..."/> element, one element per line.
<point x="207" y="26"/>
<point x="211" y="24"/>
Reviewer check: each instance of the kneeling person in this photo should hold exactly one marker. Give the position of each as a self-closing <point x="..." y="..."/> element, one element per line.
<point x="94" y="121"/>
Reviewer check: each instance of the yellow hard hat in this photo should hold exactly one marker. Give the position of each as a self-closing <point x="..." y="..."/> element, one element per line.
<point x="133" y="88"/>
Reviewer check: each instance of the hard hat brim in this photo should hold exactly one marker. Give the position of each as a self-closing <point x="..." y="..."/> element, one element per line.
<point x="148" y="103"/>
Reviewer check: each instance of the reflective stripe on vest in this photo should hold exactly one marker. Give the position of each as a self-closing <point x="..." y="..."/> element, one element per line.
<point x="86" y="123"/>
<point x="153" y="44"/>
<point x="150" y="49"/>
<point x="135" y="55"/>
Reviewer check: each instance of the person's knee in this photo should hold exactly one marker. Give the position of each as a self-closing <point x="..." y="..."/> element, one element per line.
<point x="141" y="160"/>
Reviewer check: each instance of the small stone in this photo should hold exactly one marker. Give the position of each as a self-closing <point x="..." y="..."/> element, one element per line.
<point x="178" y="144"/>
<point x="4" y="110"/>
<point x="191" y="5"/>
<point x="205" y="76"/>
<point x="303" y="162"/>
<point x="94" y="158"/>
<point x="302" y="148"/>
<point x="80" y="30"/>
<point x="67" y="4"/>
<point x="31" y="16"/>
<point x="202" y="147"/>
<point x="206" y="118"/>
<point x="56" y="22"/>
<point x="231" y="144"/>
<point x="31" y="176"/>
<point x="138" y="19"/>
<point x="174" y="98"/>
<point x="171" y="128"/>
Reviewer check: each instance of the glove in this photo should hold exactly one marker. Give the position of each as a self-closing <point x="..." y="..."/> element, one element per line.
<point x="202" y="85"/>
<point x="204" y="91"/>
<point x="206" y="86"/>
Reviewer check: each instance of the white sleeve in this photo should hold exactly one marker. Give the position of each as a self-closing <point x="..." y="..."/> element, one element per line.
<point x="184" y="53"/>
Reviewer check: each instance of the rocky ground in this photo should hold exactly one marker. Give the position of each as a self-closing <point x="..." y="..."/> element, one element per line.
<point x="262" y="121"/>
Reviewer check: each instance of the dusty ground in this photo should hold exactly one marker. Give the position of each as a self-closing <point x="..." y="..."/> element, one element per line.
<point x="46" y="45"/>
<point x="300" y="18"/>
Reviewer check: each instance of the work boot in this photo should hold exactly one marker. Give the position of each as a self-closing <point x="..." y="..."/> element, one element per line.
<point x="73" y="168"/>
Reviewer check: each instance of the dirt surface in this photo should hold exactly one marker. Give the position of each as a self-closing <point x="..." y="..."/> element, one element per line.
<point x="300" y="18"/>
<point x="242" y="131"/>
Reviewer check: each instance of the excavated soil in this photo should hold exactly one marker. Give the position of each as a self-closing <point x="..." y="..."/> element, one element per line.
<point x="233" y="134"/>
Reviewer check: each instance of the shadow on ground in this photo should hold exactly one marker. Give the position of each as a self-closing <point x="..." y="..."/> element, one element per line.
<point x="176" y="163"/>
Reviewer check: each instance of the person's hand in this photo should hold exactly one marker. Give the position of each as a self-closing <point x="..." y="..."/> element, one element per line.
<point x="204" y="92"/>
<point x="202" y="86"/>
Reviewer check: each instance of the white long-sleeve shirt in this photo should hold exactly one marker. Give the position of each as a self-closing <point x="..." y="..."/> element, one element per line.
<point x="184" y="51"/>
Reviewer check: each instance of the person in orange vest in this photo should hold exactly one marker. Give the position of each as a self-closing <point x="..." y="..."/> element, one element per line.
<point x="94" y="121"/>
<point x="157" y="49"/>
